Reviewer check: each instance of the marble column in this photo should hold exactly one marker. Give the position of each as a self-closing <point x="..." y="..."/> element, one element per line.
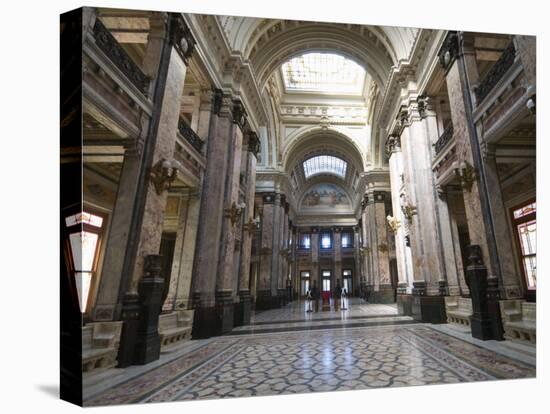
<point x="460" y="76"/>
<point x="107" y="305"/>
<point x="384" y="292"/>
<point x="420" y="208"/>
<point x="139" y="339"/>
<point x="112" y="286"/>
<point x="250" y="150"/>
<point x="337" y="254"/>
<point x="276" y="249"/>
<point x="264" y="290"/>
<point x="398" y="223"/>
<point x="448" y="278"/>
<point x="358" y="271"/>
<point x="211" y="218"/>
<point x="315" y="271"/>
<point x="232" y="223"/>
<point x="180" y="296"/>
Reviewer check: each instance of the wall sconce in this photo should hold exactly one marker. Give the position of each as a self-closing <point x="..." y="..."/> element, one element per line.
<point x="163" y="173"/>
<point x="235" y="212"/>
<point x="393" y="223"/>
<point x="467" y="175"/>
<point x="383" y="247"/>
<point x="252" y="225"/>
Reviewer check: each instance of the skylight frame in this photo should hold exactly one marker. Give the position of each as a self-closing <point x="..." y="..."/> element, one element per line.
<point x="308" y="73"/>
<point x="324" y="164"/>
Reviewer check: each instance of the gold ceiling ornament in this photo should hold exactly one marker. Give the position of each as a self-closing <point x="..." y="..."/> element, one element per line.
<point x="393" y="223"/>
<point x="163" y="174"/>
<point x="235" y="212"/>
<point x="467" y="175"/>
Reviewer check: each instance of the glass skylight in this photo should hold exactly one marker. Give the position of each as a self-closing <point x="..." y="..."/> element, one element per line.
<point x="325" y="164"/>
<point x="323" y="72"/>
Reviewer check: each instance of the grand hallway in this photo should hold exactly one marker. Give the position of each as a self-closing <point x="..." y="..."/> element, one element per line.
<point x="242" y="165"/>
<point x="289" y="350"/>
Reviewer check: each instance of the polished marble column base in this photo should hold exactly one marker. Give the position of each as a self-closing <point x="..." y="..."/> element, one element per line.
<point x="205" y="323"/>
<point x="429" y="309"/>
<point x="385" y="294"/>
<point x="283" y="298"/>
<point x="481" y="328"/>
<point x="243" y="309"/>
<point x="225" y="311"/>
<point x="404" y="304"/>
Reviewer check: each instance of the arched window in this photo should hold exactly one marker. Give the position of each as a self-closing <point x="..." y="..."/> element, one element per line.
<point x="323" y="72"/>
<point x="327" y="164"/>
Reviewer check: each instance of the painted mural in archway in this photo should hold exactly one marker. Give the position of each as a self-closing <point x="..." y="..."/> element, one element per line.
<point x="325" y="196"/>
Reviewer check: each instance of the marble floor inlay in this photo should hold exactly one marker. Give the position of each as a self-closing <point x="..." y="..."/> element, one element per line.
<point x="341" y="358"/>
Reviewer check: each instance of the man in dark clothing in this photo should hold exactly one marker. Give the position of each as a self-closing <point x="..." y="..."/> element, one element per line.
<point x="337" y="295"/>
<point x="315" y="295"/>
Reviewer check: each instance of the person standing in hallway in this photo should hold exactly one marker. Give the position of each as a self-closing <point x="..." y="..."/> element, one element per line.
<point x="315" y="295"/>
<point x="337" y="295"/>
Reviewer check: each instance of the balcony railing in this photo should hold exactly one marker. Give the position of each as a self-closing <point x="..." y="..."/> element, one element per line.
<point x="190" y="135"/>
<point x="110" y="46"/>
<point x="495" y="73"/>
<point x="444" y="139"/>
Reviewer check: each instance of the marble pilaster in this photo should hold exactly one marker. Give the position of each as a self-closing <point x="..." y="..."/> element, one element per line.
<point x="220" y="137"/>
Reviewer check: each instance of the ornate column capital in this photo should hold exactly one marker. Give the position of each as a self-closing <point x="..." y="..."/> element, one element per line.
<point x="239" y="114"/>
<point x="181" y="37"/>
<point x="222" y="104"/>
<point x="393" y="144"/>
<point x="449" y="51"/>
<point x="253" y="142"/>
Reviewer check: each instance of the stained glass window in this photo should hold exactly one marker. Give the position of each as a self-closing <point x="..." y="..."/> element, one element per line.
<point x="323" y="72"/>
<point x="325" y="164"/>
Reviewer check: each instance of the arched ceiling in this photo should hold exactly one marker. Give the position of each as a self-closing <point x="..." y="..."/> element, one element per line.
<point x="323" y="142"/>
<point x="268" y="43"/>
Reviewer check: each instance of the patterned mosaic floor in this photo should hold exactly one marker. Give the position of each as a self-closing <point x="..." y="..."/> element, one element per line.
<point x="312" y="361"/>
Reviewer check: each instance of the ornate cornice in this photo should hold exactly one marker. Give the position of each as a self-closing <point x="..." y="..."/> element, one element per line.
<point x="449" y="51"/>
<point x="181" y="37"/>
